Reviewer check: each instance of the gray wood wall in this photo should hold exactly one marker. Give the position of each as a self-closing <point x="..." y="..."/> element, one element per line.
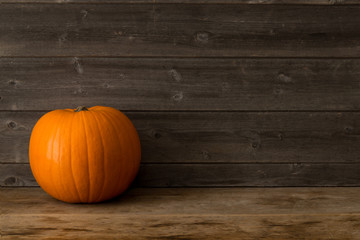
<point x="222" y="92"/>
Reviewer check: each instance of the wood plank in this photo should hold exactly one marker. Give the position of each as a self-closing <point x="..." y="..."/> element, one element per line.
<point x="341" y="227"/>
<point x="221" y="137"/>
<point x="192" y="201"/>
<point x="237" y="213"/>
<point x="188" y="30"/>
<point x="220" y="175"/>
<point x="296" y="2"/>
<point x="249" y="175"/>
<point x="180" y="84"/>
<point x="16" y="175"/>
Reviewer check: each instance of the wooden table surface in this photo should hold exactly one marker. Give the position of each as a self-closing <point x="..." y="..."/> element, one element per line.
<point x="186" y="213"/>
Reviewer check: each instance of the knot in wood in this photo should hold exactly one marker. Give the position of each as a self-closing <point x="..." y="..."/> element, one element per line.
<point x="12" y="83"/>
<point x="10" y="181"/>
<point x="157" y="135"/>
<point x="202" y="37"/>
<point x="175" y="75"/>
<point x="255" y="145"/>
<point x="11" y="124"/>
<point x="348" y="129"/>
<point x="284" y="79"/>
<point x="178" y="96"/>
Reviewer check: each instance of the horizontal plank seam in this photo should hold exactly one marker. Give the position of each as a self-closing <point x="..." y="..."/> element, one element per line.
<point x="189" y="187"/>
<point x="187" y="3"/>
<point x="212" y="187"/>
<point x="249" y="186"/>
<point x="223" y="163"/>
<point x="226" y="163"/>
<point x="249" y="163"/>
<point x="208" y="111"/>
<point x="181" y="57"/>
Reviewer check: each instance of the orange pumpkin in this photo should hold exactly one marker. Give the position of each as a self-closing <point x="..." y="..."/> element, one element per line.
<point x="84" y="155"/>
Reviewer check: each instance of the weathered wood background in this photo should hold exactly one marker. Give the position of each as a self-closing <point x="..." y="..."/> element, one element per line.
<point x="222" y="92"/>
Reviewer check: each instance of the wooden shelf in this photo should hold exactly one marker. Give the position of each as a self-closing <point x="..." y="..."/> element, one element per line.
<point x="186" y="213"/>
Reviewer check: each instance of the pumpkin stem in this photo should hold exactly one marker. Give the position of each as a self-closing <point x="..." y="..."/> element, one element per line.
<point x="81" y="108"/>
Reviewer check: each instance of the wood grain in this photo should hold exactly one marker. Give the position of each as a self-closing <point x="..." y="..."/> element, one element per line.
<point x="188" y="201"/>
<point x="58" y="226"/>
<point x="249" y="175"/>
<point x="238" y="213"/>
<point x="218" y="137"/>
<point x="180" y="84"/>
<point x="295" y="2"/>
<point x="16" y="175"/>
<point x="220" y="175"/>
<point x="187" y="30"/>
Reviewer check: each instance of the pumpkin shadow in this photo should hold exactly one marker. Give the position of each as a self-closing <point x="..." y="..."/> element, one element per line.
<point x="123" y="197"/>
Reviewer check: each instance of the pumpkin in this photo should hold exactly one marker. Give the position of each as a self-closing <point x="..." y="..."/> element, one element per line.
<point x="84" y="155"/>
